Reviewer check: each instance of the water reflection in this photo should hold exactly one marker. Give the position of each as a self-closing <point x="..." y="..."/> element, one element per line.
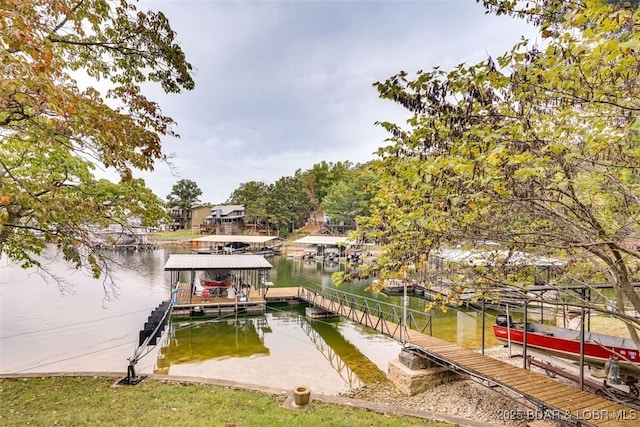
<point x="344" y="357"/>
<point x="461" y="325"/>
<point x="45" y="330"/>
<point x="280" y="349"/>
<point x="202" y="340"/>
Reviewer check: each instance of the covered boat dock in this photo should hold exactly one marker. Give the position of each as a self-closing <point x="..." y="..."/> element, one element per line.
<point x="235" y="244"/>
<point x="331" y="247"/>
<point x="245" y="291"/>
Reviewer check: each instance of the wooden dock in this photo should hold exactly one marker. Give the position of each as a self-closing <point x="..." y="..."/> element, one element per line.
<point x="289" y="295"/>
<point x="186" y="305"/>
<point x="552" y="400"/>
<point x="319" y="313"/>
<point x="213" y="305"/>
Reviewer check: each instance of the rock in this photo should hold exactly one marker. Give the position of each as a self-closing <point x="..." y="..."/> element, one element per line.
<point x="464" y="399"/>
<point x="413" y="361"/>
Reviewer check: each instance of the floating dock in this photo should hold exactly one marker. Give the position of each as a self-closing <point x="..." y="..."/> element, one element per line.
<point x="319" y="313"/>
<point x="187" y="305"/>
<point x="244" y="293"/>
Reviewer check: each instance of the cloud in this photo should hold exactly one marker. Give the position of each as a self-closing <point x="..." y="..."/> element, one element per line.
<point x="282" y="85"/>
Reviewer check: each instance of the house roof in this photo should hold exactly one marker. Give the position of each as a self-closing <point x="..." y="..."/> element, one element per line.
<point x="226" y="209"/>
<point x="321" y="240"/>
<point x="188" y="262"/>
<point x="226" y="238"/>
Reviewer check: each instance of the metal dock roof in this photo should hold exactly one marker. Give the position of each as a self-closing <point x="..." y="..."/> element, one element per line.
<point x="321" y="240"/>
<point x="182" y="262"/>
<point x="224" y="238"/>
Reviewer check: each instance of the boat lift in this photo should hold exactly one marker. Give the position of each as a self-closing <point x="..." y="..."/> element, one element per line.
<point x="612" y="385"/>
<point x="148" y="338"/>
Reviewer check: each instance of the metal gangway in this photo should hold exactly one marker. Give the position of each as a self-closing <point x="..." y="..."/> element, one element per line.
<point x="551" y="400"/>
<point x="378" y="315"/>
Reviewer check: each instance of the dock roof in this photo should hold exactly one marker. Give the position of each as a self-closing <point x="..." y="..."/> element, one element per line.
<point x="321" y="240"/>
<point x="226" y="238"/>
<point x="188" y="262"/>
<point x="480" y="257"/>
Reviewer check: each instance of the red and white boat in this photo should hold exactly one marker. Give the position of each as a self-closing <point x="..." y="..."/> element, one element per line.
<point x="216" y="279"/>
<point x="566" y="342"/>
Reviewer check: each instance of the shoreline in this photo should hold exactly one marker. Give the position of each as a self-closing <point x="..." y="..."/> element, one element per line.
<point x="461" y="402"/>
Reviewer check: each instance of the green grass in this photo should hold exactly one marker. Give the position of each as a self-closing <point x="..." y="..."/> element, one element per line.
<point x="89" y="401"/>
<point x="175" y="235"/>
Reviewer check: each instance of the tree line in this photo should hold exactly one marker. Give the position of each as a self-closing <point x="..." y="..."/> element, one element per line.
<point x="341" y="191"/>
<point x="536" y="150"/>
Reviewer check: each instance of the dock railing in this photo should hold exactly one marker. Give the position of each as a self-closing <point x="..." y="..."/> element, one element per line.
<point x="382" y="316"/>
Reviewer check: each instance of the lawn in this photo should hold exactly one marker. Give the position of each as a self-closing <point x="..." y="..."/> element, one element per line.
<point x="82" y="401"/>
<point x="175" y="235"/>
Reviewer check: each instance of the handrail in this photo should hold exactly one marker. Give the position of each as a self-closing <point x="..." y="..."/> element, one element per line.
<point x="370" y="312"/>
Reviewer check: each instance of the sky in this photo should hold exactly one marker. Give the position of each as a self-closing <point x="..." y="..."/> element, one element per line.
<point x="284" y="85"/>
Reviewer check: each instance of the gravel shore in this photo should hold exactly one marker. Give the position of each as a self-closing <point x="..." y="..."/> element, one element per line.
<point x="464" y="399"/>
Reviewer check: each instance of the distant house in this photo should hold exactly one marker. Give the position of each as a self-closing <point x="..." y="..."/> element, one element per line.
<point x="337" y="228"/>
<point x="226" y="219"/>
<point x="132" y="235"/>
<point x="179" y="218"/>
<point x="199" y="214"/>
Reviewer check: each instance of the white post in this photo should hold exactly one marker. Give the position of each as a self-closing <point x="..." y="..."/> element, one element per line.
<point x="405" y="301"/>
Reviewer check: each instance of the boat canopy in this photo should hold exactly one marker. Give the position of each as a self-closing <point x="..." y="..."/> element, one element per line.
<point x="322" y="240"/>
<point x="189" y="262"/>
<point x="487" y="257"/>
<point x="230" y="238"/>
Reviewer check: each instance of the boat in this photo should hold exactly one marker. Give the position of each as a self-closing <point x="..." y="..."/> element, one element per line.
<point x="332" y="254"/>
<point x="310" y="252"/>
<point x="235" y="248"/>
<point x="563" y="342"/>
<point x="396" y="286"/>
<point x="216" y="279"/>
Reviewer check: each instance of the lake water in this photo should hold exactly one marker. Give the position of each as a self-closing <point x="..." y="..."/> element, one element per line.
<point x="44" y="328"/>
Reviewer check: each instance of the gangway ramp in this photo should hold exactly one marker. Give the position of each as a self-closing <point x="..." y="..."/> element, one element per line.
<point x="377" y="315"/>
<point x="552" y="400"/>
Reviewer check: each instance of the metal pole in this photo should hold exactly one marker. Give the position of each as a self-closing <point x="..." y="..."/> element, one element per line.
<point x="582" y="348"/>
<point x="589" y="314"/>
<point x="404" y="313"/>
<point x="508" y="330"/>
<point x="524" y="335"/>
<point x="191" y="286"/>
<point x="482" y="348"/>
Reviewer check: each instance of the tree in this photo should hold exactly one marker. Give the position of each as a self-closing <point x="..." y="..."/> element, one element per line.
<point x="287" y="204"/>
<point x="54" y="133"/>
<point x="536" y="150"/>
<point x="350" y="197"/>
<point x="325" y="175"/>
<point x="184" y="193"/>
<point x="253" y="196"/>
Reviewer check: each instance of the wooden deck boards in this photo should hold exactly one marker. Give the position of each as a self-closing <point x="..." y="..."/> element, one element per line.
<point x="538" y="387"/>
<point x="184" y="299"/>
<point x="272" y="293"/>
<point x="554" y="394"/>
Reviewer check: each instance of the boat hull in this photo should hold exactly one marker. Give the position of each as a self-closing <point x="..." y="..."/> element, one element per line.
<point x="593" y="352"/>
<point x="214" y="284"/>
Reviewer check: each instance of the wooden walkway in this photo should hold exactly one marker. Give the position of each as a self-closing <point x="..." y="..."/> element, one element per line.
<point x="554" y="401"/>
<point x="282" y="294"/>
